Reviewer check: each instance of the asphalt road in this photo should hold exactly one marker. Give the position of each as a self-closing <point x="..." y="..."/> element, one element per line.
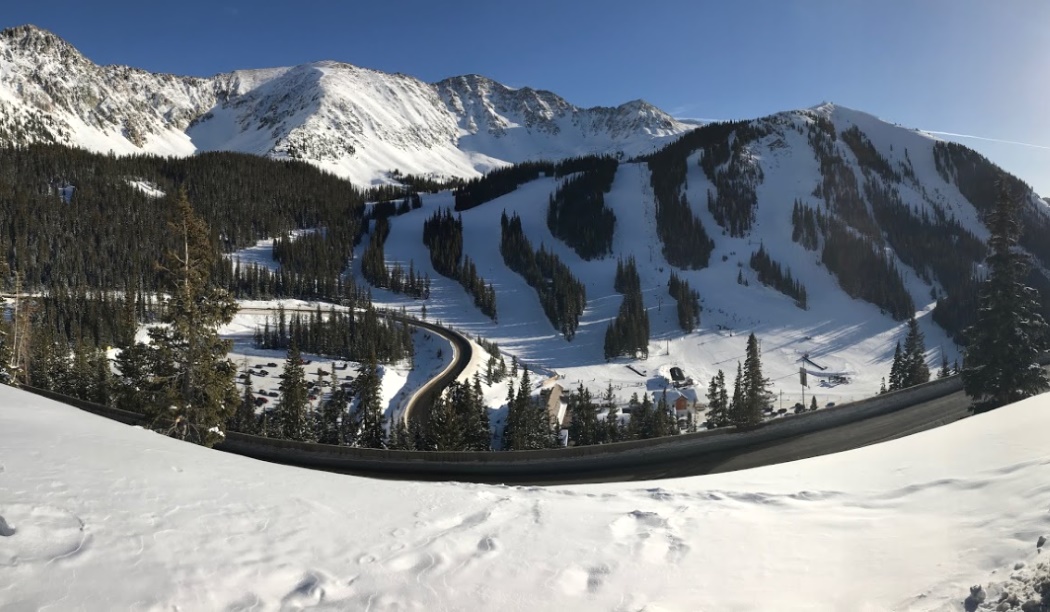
<point x="418" y="406"/>
<point x="685" y="455"/>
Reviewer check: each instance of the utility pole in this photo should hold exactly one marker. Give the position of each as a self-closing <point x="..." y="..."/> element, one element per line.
<point x="802" y="379"/>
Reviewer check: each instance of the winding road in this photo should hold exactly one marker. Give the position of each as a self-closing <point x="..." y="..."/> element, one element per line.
<point x="417" y="408"/>
<point x="786" y="439"/>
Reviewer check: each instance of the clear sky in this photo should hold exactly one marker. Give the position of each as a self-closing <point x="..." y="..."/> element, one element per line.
<point x="970" y="67"/>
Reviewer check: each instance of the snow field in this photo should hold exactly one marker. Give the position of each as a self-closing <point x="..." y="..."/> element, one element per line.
<point x="85" y="500"/>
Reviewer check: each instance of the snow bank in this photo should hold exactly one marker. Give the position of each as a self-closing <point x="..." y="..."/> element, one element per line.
<point x="104" y="516"/>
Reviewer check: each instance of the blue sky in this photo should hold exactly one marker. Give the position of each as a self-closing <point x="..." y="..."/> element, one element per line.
<point x="962" y="66"/>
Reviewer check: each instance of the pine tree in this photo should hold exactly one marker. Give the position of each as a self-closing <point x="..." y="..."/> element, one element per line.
<point x="897" y="369"/>
<point x="479" y="430"/>
<point x="193" y="390"/>
<point x="737" y="403"/>
<point x="243" y="419"/>
<point x="915" y="370"/>
<point x="370" y="408"/>
<point x="641" y="424"/>
<point x="945" y="370"/>
<point x="1000" y="362"/>
<point x="400" y="438"/>
<point x="813" y="403"/>
<point x="291" y="410"/>
<point x="332" y="412"/>
<point x="717" y="401"/>
<point x="755" y="394"/>
<point x="445" y="426"/>
<point x="583" y="426"/>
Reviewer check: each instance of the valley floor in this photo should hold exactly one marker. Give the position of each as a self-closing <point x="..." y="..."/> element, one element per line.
<point x="101" y="516"/>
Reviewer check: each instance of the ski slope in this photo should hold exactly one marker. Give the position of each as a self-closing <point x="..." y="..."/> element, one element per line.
<point x="102" y="516"/>
<point x="846" y="337"/>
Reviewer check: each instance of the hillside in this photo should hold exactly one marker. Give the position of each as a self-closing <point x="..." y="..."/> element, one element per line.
<point x="187" y="527"/>
<point x="358" y="123"/>
<point x="901" y="202"/>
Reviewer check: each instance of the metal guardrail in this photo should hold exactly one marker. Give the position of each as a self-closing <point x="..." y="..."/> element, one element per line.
<point x="494" y="465"/>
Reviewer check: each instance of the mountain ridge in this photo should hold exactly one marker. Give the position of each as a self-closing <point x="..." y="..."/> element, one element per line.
<point x="356" y="122"/>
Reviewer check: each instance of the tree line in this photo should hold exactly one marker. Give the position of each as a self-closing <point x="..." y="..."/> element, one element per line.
<point x="772" y="275"/>
<point x="576" y="211"/>
<point x="443" y="236"/>
<point x="751" y="394"/>
<point x="357" y="335"/>
<point x="687" y="300"/>
<point x="628" y="334"/>
<point x="396" y="278"/>
<point x="501" y="181"/>
<point x="562" y="296"/>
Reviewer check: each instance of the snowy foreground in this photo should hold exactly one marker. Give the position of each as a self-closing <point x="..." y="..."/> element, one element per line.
<point x="101" y="516"/>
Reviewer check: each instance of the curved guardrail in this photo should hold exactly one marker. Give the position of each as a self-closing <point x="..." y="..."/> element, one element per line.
<point x="540" y="465"/>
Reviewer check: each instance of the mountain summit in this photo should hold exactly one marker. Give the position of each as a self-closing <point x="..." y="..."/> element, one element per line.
<point x="357" y="123"/>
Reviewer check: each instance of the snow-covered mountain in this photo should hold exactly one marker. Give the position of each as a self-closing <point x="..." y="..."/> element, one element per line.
<point x="358" y="123"/>
<point x="914" y="204"/>
<point x="545" y="126"/>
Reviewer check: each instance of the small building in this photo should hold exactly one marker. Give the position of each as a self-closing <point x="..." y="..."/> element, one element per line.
<point x="682" y="400"/>
<point x="556" y="412"/>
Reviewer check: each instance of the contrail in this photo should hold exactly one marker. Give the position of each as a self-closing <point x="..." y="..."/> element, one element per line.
<point x="1012" y="142"/>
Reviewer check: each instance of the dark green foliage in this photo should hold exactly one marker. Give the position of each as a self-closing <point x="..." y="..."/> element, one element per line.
<point x="443" y="235"/>
<point x="718" y="402"/>
<point x="584" y="427"/>
<point x="651" y="421"/>
<point x="77" y="369"/>
<point x="737" y="402"/>
<point x="916" y="371"/>
<point x="1000" y="365"/>
<point x="459" y="420"/>
<point x="528" y="426"/>
<point x="897" y="369"/>
<point x="839" y="187"/>
<point x="867" y="155"/>
<point x="976" y="178"/>
<point x="109" y="234"/>
<point x="562" y="296"/>
<point x="294" y="422"/>
<point x="937" y="247"/>
<point x="946" y="369"/>
<point x="688" y="301"/>
<point x="753" y="388"/>
<point x="188" y="391"/>
<point x="243" y="418"/>
<point x="909" y="366"/>
<point x="807" y="225"/>
<point x="367" y="428"/>
<point x="502" y="181"/>
<point x="628" y="334"/>
<point x="396" y="279"/>
<point x="864" y="272"/>
<point x="729" y="167"/>
<point x="354" y="334"/>
<point x="576" y="211"/>
<point x="686" y="243"/>
<point x="772" y="275"/>
<point x="499" y="182"/>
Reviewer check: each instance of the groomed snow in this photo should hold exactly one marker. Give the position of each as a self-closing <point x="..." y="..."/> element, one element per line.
<point x="102" y="516"/>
